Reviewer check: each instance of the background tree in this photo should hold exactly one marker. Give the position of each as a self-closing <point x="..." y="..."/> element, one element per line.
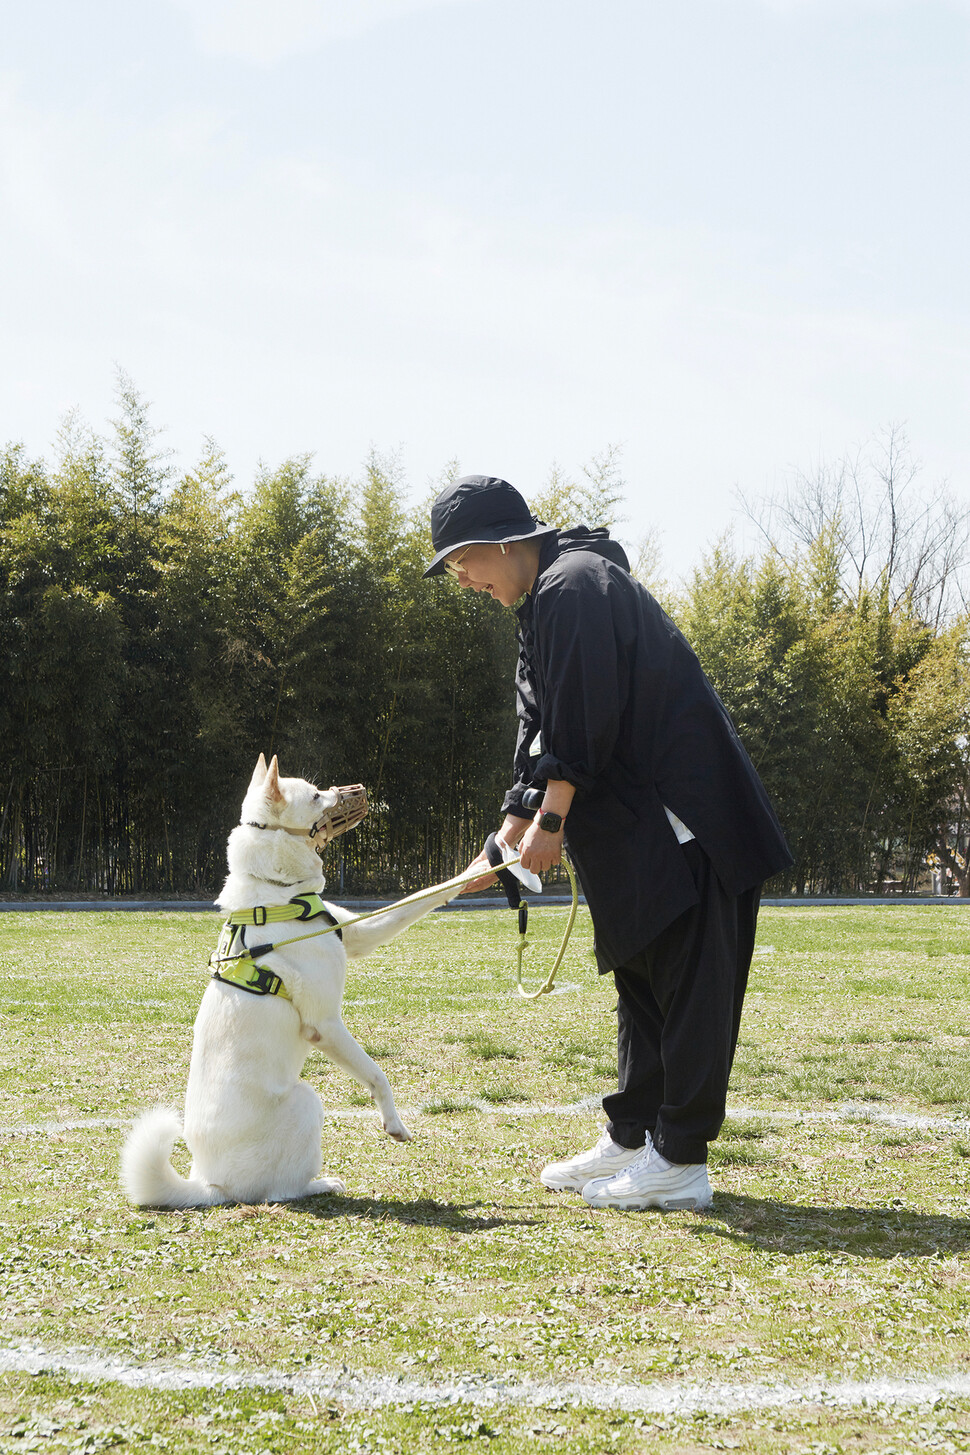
<point x="882" y="524"/>
<point x="158" y="630"/>
<point x="593" y="500"/>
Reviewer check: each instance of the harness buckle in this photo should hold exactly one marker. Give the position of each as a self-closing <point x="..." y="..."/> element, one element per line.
<point x="259" y="910"/>
<point x="263" y="981"/>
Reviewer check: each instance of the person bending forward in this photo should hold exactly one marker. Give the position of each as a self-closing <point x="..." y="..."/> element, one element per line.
<point x="663" y="813"/>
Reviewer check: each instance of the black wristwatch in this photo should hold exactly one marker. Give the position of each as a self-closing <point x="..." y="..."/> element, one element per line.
<point x="550" y="823"/>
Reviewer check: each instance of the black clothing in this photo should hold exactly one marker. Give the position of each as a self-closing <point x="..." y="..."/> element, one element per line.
<point x="678" y="1016"/>
<point x="615" y="699"/>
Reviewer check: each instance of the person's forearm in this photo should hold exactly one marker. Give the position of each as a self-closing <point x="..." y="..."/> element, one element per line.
<point x="512" y="829"/>
<point x="541" y="848"/>
<point x="558" y="796"/>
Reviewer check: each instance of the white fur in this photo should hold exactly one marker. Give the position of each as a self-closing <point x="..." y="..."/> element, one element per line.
<point x="251" y="1124"/>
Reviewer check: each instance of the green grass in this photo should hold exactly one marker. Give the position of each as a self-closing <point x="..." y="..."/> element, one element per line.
<point x="834" y="1249"/>
<point x="487" y="1047"/>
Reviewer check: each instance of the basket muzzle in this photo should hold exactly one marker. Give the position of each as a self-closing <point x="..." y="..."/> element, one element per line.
<point x="346" y="813"/>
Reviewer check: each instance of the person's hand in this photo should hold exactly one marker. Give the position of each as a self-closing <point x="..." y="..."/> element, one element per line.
<point x="487" y="879"/>
<point x="507" y="837"/>
<point x="540" y="851"/>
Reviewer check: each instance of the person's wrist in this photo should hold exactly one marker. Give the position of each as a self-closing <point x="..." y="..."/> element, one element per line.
<point x="555" y="804"/>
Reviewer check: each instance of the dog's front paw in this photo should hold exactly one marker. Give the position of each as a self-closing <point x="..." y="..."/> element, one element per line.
<point x="397" y="1130"/>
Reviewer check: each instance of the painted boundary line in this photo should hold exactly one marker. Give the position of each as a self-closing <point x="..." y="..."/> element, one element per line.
<point x="363" y="1391"/>
<point x="850" y="1112"/>
<point x="198" y="906"/>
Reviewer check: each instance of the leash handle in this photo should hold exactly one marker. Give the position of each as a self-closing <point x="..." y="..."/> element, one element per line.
<point x="505" y="877"/>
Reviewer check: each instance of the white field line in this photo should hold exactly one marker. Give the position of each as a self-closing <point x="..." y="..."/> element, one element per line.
<point x="372" y="1391"/>
<point x="74" y="1124"/>
<point x="849" y="1112"/>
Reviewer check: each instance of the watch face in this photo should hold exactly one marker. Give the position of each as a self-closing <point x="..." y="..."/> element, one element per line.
<point x="550" y="823"/>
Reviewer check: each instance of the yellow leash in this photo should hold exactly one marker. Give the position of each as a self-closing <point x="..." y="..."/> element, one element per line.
<point x="547" y="984"/>
<point x="464" y="878"/>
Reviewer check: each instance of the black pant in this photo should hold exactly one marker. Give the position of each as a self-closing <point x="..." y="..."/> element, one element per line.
<point x="679" y="1013"/>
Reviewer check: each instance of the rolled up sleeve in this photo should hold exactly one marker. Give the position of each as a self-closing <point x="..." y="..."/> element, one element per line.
<point x="524" y="764"/>
<point x="584" y="677"/>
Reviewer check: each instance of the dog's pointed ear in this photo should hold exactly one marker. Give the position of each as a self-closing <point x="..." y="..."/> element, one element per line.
<point x="259" y="773"/>
<point x="271" y="784"/>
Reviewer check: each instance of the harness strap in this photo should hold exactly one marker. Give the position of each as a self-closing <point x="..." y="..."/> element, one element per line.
<point x="301" y="907"/>
<point x="256" y="979"/>
<point x="236" y="963"/>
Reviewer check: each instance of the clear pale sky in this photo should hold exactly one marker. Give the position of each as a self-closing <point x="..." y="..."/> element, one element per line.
<point x="730" y="236"/>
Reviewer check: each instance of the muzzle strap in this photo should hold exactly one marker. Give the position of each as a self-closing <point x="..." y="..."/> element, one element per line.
<point x="347" y="812"/>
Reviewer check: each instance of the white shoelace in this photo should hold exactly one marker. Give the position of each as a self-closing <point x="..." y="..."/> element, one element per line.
<point x="644" y="1158"/>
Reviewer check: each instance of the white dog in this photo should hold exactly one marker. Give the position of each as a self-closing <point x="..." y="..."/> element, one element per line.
<point x="252" y="1125"/>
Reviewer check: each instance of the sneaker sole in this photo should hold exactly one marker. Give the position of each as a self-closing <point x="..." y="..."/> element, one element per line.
<point x="564" y="1186"/>
<point x="657" y="1199"/>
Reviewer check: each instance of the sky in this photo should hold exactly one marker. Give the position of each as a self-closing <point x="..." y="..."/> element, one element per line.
<point x="729" y="237"/>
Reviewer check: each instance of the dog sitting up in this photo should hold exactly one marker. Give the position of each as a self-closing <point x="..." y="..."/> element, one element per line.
<point x="252" y="1125"/>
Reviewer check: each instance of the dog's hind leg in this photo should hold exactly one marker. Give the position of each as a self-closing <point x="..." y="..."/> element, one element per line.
<point x="324" y="1184"/>
<point x="334" y="1040"/>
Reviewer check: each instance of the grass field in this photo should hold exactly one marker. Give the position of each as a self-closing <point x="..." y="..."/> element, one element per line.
<point x="448" y="1299"/>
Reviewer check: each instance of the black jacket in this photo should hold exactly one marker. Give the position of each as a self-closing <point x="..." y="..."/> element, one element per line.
<point x="612" y="698"/>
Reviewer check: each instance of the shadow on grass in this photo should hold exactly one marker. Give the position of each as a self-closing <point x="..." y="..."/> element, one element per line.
<point x="865" y="1232"/>
<point x="422" y="1212"/>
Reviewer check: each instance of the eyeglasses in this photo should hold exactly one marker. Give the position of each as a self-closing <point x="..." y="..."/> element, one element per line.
<point x="455" y="566"/>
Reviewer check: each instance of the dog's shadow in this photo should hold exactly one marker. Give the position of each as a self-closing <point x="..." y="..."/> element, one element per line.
<point x="865" y="1232"/>
<point x="422" y="1212"/>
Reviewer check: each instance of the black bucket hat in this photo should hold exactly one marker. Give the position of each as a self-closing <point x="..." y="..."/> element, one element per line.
<point x="480" y="510"/>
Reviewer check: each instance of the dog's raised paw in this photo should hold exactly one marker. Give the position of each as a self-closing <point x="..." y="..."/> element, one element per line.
<point x="398" y="1131"/>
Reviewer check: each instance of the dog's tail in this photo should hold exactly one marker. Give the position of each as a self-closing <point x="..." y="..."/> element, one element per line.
<point x="147" y="1174"/>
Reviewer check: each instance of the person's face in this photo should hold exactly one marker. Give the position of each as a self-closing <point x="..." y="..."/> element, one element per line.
<point x="505" y="575"/>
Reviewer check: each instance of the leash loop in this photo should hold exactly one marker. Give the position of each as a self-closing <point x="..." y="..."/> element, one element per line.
<point x="518" y="901"/>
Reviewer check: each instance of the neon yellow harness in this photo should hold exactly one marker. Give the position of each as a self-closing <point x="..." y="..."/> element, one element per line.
<point x="235" y="963"/>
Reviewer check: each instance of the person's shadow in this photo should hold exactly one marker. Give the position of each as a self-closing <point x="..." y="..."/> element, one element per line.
<point x="421" y="1212"/>
<point x="866" y="1232"/>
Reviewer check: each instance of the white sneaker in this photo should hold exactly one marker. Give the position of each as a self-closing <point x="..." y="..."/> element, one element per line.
<point x="601" y="1161"/>
<point x="651" y="1181"/>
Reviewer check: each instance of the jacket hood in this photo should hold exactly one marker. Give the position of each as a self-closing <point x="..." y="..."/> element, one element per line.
<point x="581" y="538"/>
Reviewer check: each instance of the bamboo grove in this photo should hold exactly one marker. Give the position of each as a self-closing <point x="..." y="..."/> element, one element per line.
<point x="159" y="630"/>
